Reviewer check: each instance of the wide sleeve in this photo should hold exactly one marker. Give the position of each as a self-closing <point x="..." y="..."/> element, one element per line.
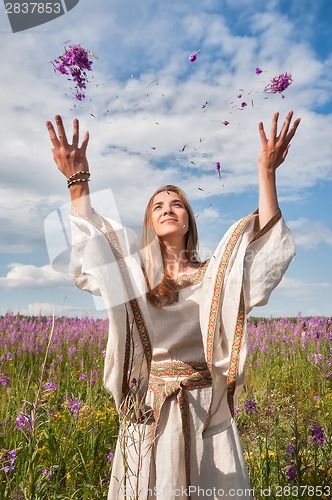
<point x="266" y="260"/>
<point x="105" y="259"/>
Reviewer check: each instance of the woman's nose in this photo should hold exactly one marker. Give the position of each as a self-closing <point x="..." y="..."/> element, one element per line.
<point x="168" y="211"/>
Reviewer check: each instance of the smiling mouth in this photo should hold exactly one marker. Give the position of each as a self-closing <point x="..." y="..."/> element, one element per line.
<point x="169" y="220"/>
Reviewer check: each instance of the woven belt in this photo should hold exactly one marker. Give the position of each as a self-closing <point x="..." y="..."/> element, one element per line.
<point x="184" y="375"/>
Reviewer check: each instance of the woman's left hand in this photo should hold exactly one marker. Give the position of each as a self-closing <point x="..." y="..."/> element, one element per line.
<point x="274" y="150"/>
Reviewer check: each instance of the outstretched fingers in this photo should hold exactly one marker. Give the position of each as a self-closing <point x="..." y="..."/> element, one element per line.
<point x="61" y="130"/>
<point x="274" y="128"/>
<point x="76" y="132"/>
<point x="262" y="133"/>
<point x="85" y="143"/>
<point x="285" y="127"/>
<point x="52" y="134"/>
<point x="292" y="131"/>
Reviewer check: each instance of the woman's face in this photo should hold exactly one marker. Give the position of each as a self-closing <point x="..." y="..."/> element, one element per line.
<point x="169" y="215"/>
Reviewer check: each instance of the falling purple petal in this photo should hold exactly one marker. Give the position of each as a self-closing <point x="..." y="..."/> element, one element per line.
<point x="184" y="147"/>
<point x="218" y="168"/>
<point x="258" y="71"/>
<point x="226" y="122"/>
<point x="205" y="105"/>
<point x="244" y="104"/>
<point x="193" y="57"/>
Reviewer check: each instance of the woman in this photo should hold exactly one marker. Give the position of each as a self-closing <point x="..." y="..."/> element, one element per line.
<point x="177" y="343"/>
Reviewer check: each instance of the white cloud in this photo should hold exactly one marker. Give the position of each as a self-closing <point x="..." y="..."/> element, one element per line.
<point x="30" y="276"/>
<point x="293" y="296"/>
<point x="45" y="308"/>
<point x="292" y="287"/>
<point x="310" y="233"/>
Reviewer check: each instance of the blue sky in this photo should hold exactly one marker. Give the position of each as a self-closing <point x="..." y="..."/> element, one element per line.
<point x="144" y="103"/>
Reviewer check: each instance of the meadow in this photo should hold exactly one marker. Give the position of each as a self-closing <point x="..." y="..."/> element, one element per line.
<point x="58" y="426"/>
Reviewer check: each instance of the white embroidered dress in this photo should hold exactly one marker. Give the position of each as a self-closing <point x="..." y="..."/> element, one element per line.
<point x="206" y="324"/>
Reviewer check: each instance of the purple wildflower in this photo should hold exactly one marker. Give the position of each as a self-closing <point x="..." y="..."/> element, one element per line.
<point x="83" y="376"/>
<point x="23" y="421"/>
<point x="279" y="83"/>
<point x="250" y="407"/>
<point x="110" y="457"/>
<point x="258" y="71"/>
<point x="291" y="473"/>
<point x="315" y="358"/>
<point x="75" y="62"/>
<point x="8" y="459"/>
<point x="290" y="452"/>
<point x="75" y="406"/>
<point x="4" y="381"/>
<point x="50" y="386"/>
<point x="317" y="434"/>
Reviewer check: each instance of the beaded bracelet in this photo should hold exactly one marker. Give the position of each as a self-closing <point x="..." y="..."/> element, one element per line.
<point x="76" y="181"/>
<point x="78" y="173"/>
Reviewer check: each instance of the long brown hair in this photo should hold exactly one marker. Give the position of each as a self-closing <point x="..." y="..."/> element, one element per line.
<point x="161" y="287"/>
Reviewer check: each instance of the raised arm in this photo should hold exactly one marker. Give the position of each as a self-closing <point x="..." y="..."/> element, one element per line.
<point x="72" y="162"/>
<point x="273" y="152"/>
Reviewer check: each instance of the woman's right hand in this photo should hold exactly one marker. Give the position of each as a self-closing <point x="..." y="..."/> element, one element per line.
<point x="70" y="158"/>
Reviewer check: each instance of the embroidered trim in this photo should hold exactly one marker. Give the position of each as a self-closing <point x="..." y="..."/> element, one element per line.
<point x="191" y="279"/>
<point x="126" y="364"/>
<point x="267" y="226"/>
<point x="177" y="368"/>
<point x="235" y="353"/>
